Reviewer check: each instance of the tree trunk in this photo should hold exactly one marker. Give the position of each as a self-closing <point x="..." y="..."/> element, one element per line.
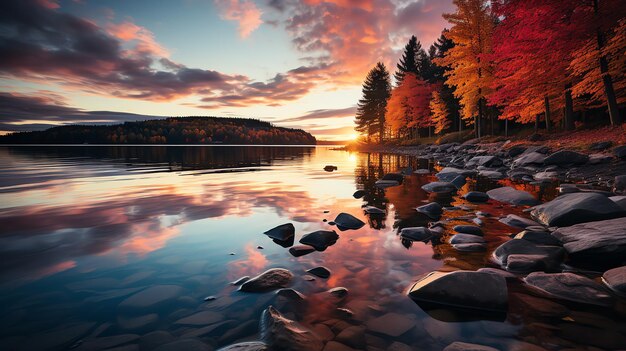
<point x="606" y="77"/>
<point x="568" y="117"/>
<point x="506" y="127"/>
<point x="546" y="102"/>
<point x="480" y="117"/>
<point x="536" y="123"/>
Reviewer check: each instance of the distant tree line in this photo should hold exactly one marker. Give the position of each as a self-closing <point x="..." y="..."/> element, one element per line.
<point x="174" y="130"/>
<point x="553" y="63"/>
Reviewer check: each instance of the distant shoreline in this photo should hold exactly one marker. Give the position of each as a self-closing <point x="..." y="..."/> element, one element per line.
<point x="181" y="145"/>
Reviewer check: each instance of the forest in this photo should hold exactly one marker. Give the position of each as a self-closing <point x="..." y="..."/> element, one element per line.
<point x="173" y="130"/>
<point x="558" y="64"/>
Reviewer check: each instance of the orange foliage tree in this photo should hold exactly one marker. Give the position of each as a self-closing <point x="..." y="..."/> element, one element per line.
<point x="439" y="112"/>
<point x="408" y="107"/>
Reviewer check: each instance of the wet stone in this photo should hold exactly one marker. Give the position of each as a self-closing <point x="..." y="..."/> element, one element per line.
<point x="570" y="209"/>
<point x="346" y="221"/>
<point x="525" y="251"/>
<point x="321" y="272"/>
<point x="290" y="294"/>
<point x="338" y="292"/>
<point x="468" y="229"/>
<point x="569" y="286"/>
<point x="282" y="232"/>
<point x="352" y="336"/>
<point x="615" y="279"/>
<point x="439" y="187"/>
<point x="538" y="237"/>
<point x="241" y="280"/>
<point x="245" y="346"/>
<point x="391" y="324"/>
<point x="301" y="250"/>
<point x="152" y="297"/>
<point x="466" y="239"/>
<point x="463" y="346"/>
<point x="154" y="339"/>
<point x="271" y="279"/>
<point x="359" y="194"/>
<point x="470" y="247"/>
<point x="320" y="239"/>
<point x="539" y="306"/>
<point x="416" y="233"/>
<point x="336" y="346"/>
<point x="386" y="183"/>
<point x="513" y="196"/>
<point x="433" y="210"/>
<point x="184" y="344"/>
<point x="201" y="318"/>
<point x="281" y="333"/>
<point x="518" y="222"/>
<point x="373" y="211"/>
<point x="138" y="323"/>
<point x="566" y="157"/>
<point x="476" y="196"/>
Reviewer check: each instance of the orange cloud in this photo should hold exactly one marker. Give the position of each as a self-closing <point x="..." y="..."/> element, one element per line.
<point x="145" y="42"/>
<point x="243" y="11"/>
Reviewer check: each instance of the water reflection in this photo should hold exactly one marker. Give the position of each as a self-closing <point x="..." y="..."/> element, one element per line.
<point x="83" y="229"/>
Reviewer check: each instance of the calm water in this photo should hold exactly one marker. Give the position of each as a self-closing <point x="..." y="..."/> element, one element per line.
<point x="84" y="228"/>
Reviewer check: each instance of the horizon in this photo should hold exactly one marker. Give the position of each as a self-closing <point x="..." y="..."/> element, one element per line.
<point x="279" y="61"/>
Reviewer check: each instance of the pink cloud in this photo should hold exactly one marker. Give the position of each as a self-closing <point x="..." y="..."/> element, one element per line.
<point x="243" y="11"/>
<point x="144" y="39"/>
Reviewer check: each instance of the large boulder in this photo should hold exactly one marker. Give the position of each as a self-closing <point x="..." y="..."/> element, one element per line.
<point x="271" y="279"/>
<point x="518" y="222"/>
<point x="281" y="333"/>
<point x="566" y="157"/>
<point x="615" y="279"/>
<point x="528" y="159"/>
<point x="462" y="289"/>
<point x="320" y="239"/>
<point x="282" y="232"/>
<point x="569" y="209"/>
<point x="569" y="286"/>
<point x="439" y="187"/>
<point x="539" y="237"/>
<point x="512" y="196"/>
<point x="596" y="243"/>
<point x="346" y="221"/>
<point x="528" y="256"/>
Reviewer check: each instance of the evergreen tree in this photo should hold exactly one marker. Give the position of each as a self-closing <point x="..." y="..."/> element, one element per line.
<point x="370" y="114"/>
<point x="408" y="61"/>
<point x="438" y="50"/>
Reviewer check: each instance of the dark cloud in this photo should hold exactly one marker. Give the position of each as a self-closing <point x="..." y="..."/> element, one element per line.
<point x="323" y="113"/>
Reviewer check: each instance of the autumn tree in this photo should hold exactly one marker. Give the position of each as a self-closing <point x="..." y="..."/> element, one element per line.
<point x="409" y="106"/>
<point x="470" y="72"/>
<point x="446" y="92"/>
<point x="370" y="114"/>
<point x="439" y="112"/>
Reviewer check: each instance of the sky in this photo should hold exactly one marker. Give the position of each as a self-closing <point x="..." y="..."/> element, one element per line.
<point x="294" y="63"/>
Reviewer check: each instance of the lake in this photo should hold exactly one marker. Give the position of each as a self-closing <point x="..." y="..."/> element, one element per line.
<point x="117" y="247"/>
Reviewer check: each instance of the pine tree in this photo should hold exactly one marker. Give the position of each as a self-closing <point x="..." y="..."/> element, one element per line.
<point x="438" y="50"/>
<point x="370" y="114"/>
<point x="408" y="61"/>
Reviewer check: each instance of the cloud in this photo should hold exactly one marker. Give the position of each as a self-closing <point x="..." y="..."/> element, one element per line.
<point x="322" y="113"/>
<point x="145" y="41"/>
<point x="243" y="11"/>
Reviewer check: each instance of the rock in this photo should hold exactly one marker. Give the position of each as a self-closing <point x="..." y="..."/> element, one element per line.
<point x="619" y="200"/>
<point x="512" y="196"/>
<point x="184" y="344"/>
<point x="504" y="274"/>
<point x="470" y="247"/>
<point x="535" y="137"/>
<point x="433" y="210"/>
<point x="301" y="250"/>
<point x="153" y="339"/>
<point x="291" y="294"/>
<point x="491" y="174"/>
<point x="485" y="161"/>
<point x="353" y="336"/>
<point x="421" y="171"/>
<point x="546" y="176"/>
<point x="210" y="298"/>
<point x="138" y="323"/>
<point x="373" y="211"/>
<point x="439" y="187"/>
<point x="466" y="238"/>
<point x="394" y="177"/>
<point x="416" y="233"/>
<point x="271" y="279"/>
<point x="620" y="152"/>
<point x="599" y="243"/>
<point x="463" y="346"/>
<point x="527" y="254"/>
<point x="462" y="289"/>
<point x="338" y="292"/>
<point x="539" y="306"/>
<point x="600" y="145"/>
<point x="321" y="272"/>
<point x="245" y="346"/>
<point x="459" y="181"/>
<point x="619" y="186"/>
<point x="566" y="157"/>
<point x="575" y="208"/>
<point x="282" y="232"/>
<point x="596" y="159"/>
<point x="320" y="239"/>
<point x="391" y="324"/>
<point x="468" y="229"/>
<point x="359" y="194"/>
<point x="281" y="333"/>
<point x="337" y="346"/>
<point x="476" y="196"/>
<point x="615" y="279"/>
<point x="449" y="173"/>
<point x="538" y="237"/>
<point x="569" y="286"/>
<point x="386" y="183"/>
<point x="518" y="222"/>
<point x="529" y="159"/>
<point x="152" y="297"/>
<point x="346" y="221"/>
<point x="516" y="151"/>
<point x="201" y="318"/>
<point x="106" y="342"/>
<point x="330" y="168"/>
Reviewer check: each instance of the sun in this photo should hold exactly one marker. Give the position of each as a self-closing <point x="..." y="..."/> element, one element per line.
<point x="353" y="136"/>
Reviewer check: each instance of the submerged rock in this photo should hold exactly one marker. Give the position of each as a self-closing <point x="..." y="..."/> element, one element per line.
<point x="512" y="196"/>
<point x="518" y="222"/>
<point x="386" y="183"/>
<point x="468" y="229"/>
<point x="439" y="187"/>
<point x="391" y="324"/>
<point x="597" y="243"/>
<point x="184" y="344"/>
<point x="321" y="272"/>
<point x="575" y="208"/>
<point x="282" y="232"/>
<point x="463" y="346"/>
<point x="346" y="221"/>
<point x="320" y="239"/>
<point x="246" y="346"/>
<point x="398" y="177"/>
<point x="281" y="333"/>
<point x="152" y="297"/>
<point x="301" y="250"/>
<point x="476" y="196"/>
<point x="615" y="279"/>
<point x="271" y="279"/>
<point x="291" y="294"/>
<point x="416" y="233"/>
<point x="433" y="210"/>
<point x="569" y="286"/>
<point x="462" y="289"/>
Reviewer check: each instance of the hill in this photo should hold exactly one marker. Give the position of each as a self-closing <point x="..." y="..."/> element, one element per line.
<point x="174" y="130"/>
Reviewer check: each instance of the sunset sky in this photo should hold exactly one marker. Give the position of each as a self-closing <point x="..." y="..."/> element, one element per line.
<point x="294" y="63"/>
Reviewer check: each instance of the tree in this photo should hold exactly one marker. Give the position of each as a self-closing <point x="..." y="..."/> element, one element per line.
<point x="439" y="112"/>
<point x="438" y="50"/>
<point x="470" y="72"/>
<point x="370" y="114"/>
<point x="409" y="105"/>
<point x="408" y="61"/>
